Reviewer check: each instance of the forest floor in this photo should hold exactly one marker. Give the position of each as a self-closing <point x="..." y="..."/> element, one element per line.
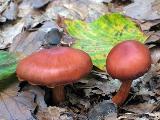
<point x="30" y="25"/>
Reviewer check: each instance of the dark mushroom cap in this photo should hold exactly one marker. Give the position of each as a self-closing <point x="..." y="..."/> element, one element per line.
<point x="128" y="60"/>
<point x="55" y="66"/>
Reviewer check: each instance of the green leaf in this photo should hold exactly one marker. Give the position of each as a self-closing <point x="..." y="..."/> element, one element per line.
<point x="98" y="37"/>
<point x="8" y="63"/>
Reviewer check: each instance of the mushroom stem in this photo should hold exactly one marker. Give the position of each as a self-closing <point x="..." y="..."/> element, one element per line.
<point x="122" y="93"/>
<point x="58" y="94"/>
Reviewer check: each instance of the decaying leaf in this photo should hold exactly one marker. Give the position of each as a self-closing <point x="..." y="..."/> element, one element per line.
<point x="98" y="37"/>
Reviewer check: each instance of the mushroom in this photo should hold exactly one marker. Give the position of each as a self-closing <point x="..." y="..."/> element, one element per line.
<point x="55" y="68"/>
<point x="127" y="61"/>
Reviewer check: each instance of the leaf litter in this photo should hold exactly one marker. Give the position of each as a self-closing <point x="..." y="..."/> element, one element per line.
<point x="24" y="31"/>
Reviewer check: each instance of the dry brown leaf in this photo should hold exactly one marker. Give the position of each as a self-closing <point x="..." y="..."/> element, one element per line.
<point x="143" y="10"/>
<point x="29" y="42"/>
<point x="11" y="11"/>
<point x="39" y="3"/>
<point x="13" y="106"/>
<point x="8" y="32"/>
<point x="102" y="110"/>
<point x="54" y="113"/>
<point x="73" y="9"/>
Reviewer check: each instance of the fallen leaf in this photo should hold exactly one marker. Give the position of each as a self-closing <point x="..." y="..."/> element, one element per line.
<point x="98" y="37"/>
<point x="146" y="116"/>
<point x="143" y="10"/>
<point x="155" y="54"/>
<point x="154" y="38"/>
<point x="8" y="63"/>
<point x="16" y="107"/>
<point x="2" y="19"/>
<point x="73" y="9"/>
<point x="25" y="8"/>
<point x="39" y="3"/>
<point x="100" y="1"/>
<point x="11" y="11"/>
<point x="54" y="113"/>
<point x="101" y="110"/>
<point x="29" y="42"/>
<point x="141" y="108"/>
<point x="148" y="24"/>
<point x="8" y="32"/>
<point x="38" y="93"/>
<point x="4" y="4"/>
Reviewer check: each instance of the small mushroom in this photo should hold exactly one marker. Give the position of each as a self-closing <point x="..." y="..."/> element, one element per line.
<point x="55" y="68"/>
<point x="127" y="61"/>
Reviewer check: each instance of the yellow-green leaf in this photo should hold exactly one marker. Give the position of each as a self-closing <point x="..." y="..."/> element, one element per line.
<point x="98" y="37"/>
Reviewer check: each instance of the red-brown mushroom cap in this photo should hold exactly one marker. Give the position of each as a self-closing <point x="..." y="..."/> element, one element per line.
<point x="128" y="60"/>
<point x="55" y="66"/>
